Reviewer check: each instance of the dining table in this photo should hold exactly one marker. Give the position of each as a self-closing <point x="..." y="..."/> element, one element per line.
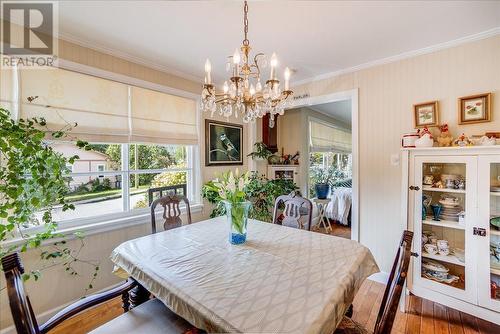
<point x="281" y="280"/>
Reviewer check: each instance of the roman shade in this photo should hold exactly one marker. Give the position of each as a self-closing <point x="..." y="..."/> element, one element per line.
<point x="7" y="89"/>
<point x="328" y="138"/>
<point x="162" y="118"/>
<point x="102" y="110"/>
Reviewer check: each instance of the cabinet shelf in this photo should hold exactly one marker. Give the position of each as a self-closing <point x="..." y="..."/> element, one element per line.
<point x="494" y="232"/>
<point x="443" y="190"/>
<point x="444" y="223"/>
<point x="444" y="258"/>
<point x="495" y="271"/>
<point x="495" y="193"/>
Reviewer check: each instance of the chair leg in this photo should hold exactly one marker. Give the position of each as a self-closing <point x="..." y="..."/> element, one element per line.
<point x="138" y="295"/>
<point x="349" y="312"/>
<point x="125" y="301"/>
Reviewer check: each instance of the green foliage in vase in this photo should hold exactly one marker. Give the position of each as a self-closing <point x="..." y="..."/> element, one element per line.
<point x="33" y="179"/>
<point x="260" y="191"/>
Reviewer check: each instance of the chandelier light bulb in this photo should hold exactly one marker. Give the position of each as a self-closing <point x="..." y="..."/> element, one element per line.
<point x="252" y="90"/>
<point x="274" y="63"/>
<point x="287" y="78"/>
<point x="225" y="87"/>
<point x="208" y="69"/>
<point x="236" y="57"/>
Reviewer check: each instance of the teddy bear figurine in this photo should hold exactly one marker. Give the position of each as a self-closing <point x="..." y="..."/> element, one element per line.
<point x="445" y="138"/>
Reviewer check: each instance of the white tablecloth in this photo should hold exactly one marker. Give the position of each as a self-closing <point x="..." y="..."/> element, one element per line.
<point x="282" y="280"/>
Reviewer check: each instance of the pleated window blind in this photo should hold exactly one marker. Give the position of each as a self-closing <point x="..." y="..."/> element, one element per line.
<point x="102" y="110"/>
<point x="326" y="138"/>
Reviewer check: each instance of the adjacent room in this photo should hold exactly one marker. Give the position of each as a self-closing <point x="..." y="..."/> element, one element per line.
<point x="189" y="167"/>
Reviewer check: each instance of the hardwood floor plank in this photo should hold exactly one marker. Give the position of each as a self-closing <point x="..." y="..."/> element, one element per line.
<point x="363" y="314"/>
<point x="454" y="321"/>
<point x="486" y="327"/>
<point x="370" y="325"/>
<point x="440" y="319"/>
<point x="414" y="315"/>
<point x="469" y="323"/>
<point x="427" y="322"/>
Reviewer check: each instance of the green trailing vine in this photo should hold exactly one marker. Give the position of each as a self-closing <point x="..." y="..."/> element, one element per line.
<point x="33" y="180"/>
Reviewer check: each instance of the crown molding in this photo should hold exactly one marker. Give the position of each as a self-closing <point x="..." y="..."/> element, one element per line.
<point x="126" y="56"/>
<point x="404" y="55"/>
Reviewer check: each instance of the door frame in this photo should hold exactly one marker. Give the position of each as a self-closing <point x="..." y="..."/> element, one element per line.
<point x="351" y="95"/>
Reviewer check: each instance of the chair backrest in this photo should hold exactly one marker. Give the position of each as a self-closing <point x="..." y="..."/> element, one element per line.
<point x="171" y="211"/>
<point x="20" y="305"/>
<point x="297" y="211"/>
<point x="395" y="286"/>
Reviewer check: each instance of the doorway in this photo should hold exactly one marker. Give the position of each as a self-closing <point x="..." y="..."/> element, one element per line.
<point x="331" y="143"/>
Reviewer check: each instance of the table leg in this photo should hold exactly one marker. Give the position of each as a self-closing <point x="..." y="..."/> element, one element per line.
<point x="138" y="295"/>
<point x="125" y="301"/>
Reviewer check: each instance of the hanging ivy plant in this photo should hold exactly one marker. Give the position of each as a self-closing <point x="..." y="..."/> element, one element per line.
<point x="33" y="179"/>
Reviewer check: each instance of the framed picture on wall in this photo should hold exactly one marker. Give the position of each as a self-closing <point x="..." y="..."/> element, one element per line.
<point x="426" y="114"/>
<point x="474" y="109"/>
<point x="223" y="143"/>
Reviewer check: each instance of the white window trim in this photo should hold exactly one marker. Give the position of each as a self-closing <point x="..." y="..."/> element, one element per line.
<point x="103" y="223"/>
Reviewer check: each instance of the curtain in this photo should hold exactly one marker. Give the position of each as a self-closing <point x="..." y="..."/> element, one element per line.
<point x="328" y="138"/>
<point x="102" y="111"/>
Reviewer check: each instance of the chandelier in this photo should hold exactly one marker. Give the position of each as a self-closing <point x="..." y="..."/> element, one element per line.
<point x="243" y="93"/>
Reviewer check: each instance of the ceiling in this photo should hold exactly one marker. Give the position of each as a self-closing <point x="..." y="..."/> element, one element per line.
<point x="339" y="110"/>
<point x="312" y="37"/>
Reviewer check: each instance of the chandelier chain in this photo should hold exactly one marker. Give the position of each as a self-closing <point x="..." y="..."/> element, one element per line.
<point x="246" y="42"/>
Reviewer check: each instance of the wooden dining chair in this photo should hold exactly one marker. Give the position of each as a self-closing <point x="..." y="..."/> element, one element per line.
<point x="149" y="317"/>
<point x="392" y="294"/>
<point x="171" y="211"/>
<point x="296" y="211"/>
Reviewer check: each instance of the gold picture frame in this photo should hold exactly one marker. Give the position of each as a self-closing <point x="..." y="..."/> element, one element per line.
<point x="474" y="109"/>
<point x="426" y="114"/>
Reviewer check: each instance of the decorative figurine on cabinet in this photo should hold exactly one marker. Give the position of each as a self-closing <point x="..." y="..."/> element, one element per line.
<point x="462" y="141"/>
<point x="445" y="138"/>
<point x="425" y="139"/>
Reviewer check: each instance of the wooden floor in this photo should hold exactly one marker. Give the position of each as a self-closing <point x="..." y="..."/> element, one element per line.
<point x="423" y="316"/>
<point x="338" y="230"/>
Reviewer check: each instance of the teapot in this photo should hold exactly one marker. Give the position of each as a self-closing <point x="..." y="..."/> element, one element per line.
<point x="424" y="141"/>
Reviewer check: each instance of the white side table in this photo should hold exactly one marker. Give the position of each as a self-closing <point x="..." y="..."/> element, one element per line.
<point x="321" y="205"/>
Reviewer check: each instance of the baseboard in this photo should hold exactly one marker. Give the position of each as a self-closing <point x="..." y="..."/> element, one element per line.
<point x="43" y="317"/>
<point x="381" y="277"/>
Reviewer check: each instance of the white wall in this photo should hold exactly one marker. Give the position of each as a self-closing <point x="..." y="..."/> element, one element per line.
<point x="386" y="96"/>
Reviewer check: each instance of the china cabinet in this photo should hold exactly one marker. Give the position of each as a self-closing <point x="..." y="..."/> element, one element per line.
<point x="452" y="203"/>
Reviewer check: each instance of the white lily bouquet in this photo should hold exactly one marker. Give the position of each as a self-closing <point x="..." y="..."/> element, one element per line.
<point x="231" y="190"/>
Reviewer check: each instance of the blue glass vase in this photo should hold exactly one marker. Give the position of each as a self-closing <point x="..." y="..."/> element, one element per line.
<point x="237" y="219"/>
<point x="436" y="210"/>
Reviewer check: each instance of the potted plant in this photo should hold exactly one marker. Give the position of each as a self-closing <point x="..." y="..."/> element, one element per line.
<point x="321" y="178"/>
<point x="261" y="152"/>
<point x="34" y="180"/>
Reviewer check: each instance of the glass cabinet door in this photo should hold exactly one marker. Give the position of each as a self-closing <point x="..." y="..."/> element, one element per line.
<point x="489" y="208"/>
<point x="444" y="196"/>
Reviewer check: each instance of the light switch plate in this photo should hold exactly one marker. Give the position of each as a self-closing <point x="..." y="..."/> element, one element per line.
<point x="395" y="159"/>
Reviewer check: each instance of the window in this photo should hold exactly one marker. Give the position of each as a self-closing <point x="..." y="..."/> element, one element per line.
<point x="129" y="127"/>
<point x="330" y="148"/>
<point x="101" y="184"/>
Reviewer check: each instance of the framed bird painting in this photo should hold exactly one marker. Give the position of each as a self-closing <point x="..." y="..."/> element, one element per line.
<point x="223" y="143"/>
